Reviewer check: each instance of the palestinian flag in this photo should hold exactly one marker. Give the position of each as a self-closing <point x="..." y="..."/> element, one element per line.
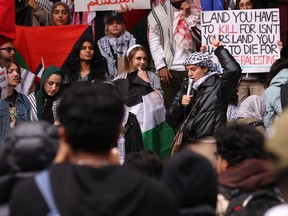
<point x="49" y="44"/>
<point x="149" y="109"/>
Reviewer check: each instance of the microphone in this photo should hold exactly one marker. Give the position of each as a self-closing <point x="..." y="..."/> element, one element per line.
<point x="190" y="86"/>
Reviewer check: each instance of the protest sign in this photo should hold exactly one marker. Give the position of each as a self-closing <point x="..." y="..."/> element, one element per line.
<point x="108" y="5"/>
<point x="3" y="83"/>
<point x="249" y="35"/>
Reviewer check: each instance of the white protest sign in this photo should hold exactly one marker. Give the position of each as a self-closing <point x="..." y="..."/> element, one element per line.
<point x="3" y="83"/>
<point x="249" y="35"/>
<point x="108" y="5"/>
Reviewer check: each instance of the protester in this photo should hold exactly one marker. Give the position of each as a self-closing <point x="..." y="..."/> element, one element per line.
<point x="29" y="148"/>
<point x="60" y="14"/>
<point x="142" y="94"/>
<point x="193" y="182"/>
<point x="7" y="52"/>
<point x="242" y="166"/>
<point x="45" y="101"/>
<point x="91" y="117"/>
<point x="15" y="108"/>
<point x="85" y="64"/>
<point x="277" y="76"/>
<point x="170" y="40"/>
<point x="147" y="163"/>
<point x="33" y="12"/>
<point x="212" y="92"/>
<point x="115" y="43"/>
<point x="251" y="83"/>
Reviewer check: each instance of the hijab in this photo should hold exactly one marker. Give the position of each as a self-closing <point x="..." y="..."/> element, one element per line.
<point x="41" y="93"/>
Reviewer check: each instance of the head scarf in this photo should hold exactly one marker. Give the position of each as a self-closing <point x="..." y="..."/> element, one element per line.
<point x="41" y="93"/>
<point x="252" y="107"/>
<point x="202" y="60"/>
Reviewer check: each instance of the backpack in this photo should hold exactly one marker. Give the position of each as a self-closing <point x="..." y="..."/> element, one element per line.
<point x="254" y="203"/>
<point x="284" y="95"/>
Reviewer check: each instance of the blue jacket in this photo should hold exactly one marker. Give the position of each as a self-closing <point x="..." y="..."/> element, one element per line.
<point x="272" y="96"/>
<point x="23" y="114"/>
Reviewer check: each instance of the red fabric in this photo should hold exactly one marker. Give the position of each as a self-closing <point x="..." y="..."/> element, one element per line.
<point x="53" y="43"/>
<point x="7" y="21"/>
<point x="133" y="17"/>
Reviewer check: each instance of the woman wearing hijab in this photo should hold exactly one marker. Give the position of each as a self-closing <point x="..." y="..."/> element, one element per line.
<point x="45" y="101"/>
<point x="211" y="93"/>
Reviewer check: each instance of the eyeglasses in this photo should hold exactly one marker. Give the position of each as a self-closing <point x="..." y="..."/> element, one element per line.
<point x="9" y="49"/>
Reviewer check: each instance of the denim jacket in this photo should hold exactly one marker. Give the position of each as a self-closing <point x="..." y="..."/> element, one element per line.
<point x="23" y="114"/>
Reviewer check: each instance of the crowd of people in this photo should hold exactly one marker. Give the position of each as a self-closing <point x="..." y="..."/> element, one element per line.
<point x="94" y="136"/>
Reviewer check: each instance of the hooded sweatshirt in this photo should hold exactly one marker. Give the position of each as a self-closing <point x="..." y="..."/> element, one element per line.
<point x="83" y="190"/>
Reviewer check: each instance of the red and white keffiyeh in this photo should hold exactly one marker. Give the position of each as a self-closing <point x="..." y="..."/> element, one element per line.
<point x="181" y="31"/>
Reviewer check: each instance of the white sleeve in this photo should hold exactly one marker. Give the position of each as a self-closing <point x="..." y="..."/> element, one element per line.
<point x="156" y="49"/>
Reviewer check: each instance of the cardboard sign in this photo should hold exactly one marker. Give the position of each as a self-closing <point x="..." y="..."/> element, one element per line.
<point x="108" y="5"/>
<point x="249" y="35"/>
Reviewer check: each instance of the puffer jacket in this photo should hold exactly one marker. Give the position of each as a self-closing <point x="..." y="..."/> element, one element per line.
<point x="210" y="112"/>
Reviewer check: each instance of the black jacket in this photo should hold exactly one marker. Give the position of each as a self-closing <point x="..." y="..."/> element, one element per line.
<point x="106" y="191"/>
<point x="210" y="113"/>
<point x="133" y="135"/>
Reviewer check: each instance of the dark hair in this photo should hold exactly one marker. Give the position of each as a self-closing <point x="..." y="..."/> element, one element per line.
<point x="66" y="7"/>
<point x="8" y="63"/>
<point x="91" y="115"/>
<point x="275" y="68"/>
<point x="192" y="180"/>
<point x="72" y="66"/>
<point x="147" y="162"/>
<point x="131" y="54"/>
<point x="255" y="3"/>
<point x="237" y="142"/>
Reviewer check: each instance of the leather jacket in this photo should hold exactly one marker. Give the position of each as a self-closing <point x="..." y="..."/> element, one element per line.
<point x="210" y="112"/>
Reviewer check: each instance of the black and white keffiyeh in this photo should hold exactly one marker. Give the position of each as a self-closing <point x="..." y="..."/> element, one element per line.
<point x="119" y="46"/>
<point x="202" y="60"/>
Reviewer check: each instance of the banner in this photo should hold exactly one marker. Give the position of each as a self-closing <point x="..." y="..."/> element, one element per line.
<point x="51" y="44"/>
<point x="249" y="35"/>
<point x="108" y="5"/>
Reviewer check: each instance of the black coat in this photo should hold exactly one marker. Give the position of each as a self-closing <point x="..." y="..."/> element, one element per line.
<point x="210" y="113"/>
<point x="133" y="135"/>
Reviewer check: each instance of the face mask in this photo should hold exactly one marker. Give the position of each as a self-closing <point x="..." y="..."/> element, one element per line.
<point x="177" y="5"/>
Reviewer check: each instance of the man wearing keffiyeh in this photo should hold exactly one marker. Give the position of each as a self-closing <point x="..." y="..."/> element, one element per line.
<point x="173" y="32"/>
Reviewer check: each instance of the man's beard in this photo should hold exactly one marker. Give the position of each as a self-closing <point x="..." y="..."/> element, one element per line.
<point x="177" y="5"/>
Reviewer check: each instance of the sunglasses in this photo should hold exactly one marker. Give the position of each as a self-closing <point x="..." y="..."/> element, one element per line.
<point x="9" y="49"/>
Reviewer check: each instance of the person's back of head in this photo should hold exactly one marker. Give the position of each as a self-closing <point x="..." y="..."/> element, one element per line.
<point x="28" y="148"/>
<point x="146" y="162"/>
<point x="275" y="68"/>
<point x="237" y="142"/>
<point x="193" y="182"/>
<point x="91" y="115"/>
